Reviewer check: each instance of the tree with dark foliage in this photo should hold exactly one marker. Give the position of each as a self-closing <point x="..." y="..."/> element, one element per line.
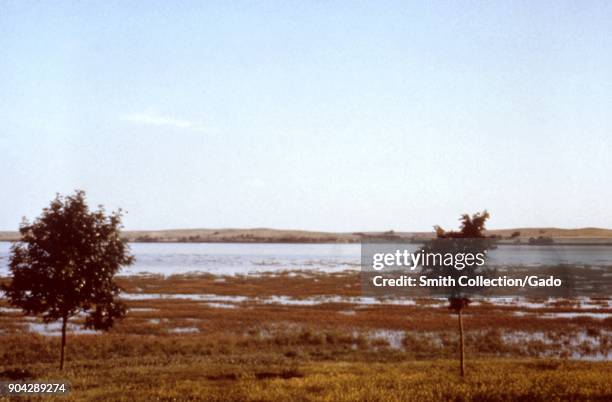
<point x="65" y="264"/>
<point x="469" y="239"/>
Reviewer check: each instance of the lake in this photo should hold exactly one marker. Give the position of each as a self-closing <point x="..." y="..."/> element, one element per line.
<point x="243" y="258"/>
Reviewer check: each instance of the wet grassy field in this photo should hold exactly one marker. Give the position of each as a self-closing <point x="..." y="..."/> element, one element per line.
<point x="313" y="336"/>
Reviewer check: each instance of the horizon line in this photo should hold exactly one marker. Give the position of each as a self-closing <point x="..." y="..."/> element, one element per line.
<point x="348" y="232"/>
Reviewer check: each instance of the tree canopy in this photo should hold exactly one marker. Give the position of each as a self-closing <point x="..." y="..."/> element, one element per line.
<point x="66" y="261"/>
<point x="472" y="227"/>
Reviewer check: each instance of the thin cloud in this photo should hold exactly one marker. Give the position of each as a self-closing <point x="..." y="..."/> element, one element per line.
<point x="161" y="121"/>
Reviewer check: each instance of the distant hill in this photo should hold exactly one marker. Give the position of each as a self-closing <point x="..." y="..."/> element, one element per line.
<point x="8" y="236"/>
<point x="556" y="232"/>
<point x="258" y="235"/>
<point x="265" y="235"/>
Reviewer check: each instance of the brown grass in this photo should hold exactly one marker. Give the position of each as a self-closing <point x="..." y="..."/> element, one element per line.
<point x="330" y="351"/>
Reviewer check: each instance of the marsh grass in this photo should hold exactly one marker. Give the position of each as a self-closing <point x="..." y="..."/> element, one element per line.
<point x="187" y="378"/>
<point x="250" y="349"/>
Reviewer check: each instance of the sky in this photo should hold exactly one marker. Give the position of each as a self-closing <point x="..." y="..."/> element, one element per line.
<point x="319" y="115"/>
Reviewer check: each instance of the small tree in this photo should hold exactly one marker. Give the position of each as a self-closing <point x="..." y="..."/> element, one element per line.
<point x="470" y="238"/>
<point x="65" y="264"/>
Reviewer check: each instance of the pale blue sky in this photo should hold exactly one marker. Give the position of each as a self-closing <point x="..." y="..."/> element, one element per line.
<point x="317" y="115"/>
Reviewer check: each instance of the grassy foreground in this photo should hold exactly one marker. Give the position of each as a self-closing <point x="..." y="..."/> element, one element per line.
<point x="487" y="380"/>
<point x="236" y="342"/>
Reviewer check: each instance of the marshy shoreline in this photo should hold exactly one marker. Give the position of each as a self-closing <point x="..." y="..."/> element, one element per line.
<point x="273" y="335"/>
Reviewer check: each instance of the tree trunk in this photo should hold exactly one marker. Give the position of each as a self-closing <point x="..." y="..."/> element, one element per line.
<point x="64" y="322"/>
<point x="461" y="346"/>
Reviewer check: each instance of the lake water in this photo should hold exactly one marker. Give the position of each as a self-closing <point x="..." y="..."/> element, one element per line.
<point x="242" y="258"/>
